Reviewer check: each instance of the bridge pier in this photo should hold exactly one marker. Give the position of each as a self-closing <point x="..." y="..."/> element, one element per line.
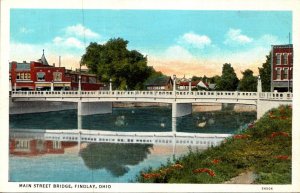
<point x="91" y="108"/>
<point x="181" y="109"/>
<point x="264" y="106"/>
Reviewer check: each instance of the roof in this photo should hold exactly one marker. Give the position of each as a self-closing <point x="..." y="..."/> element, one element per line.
<point x="283" y="46"/>
<point x="212" y="86"/>
<point x="158" y="81"/>
<point x="43" y="59"/>
<point x="194" y="83"/>
<point x="23" y="66"/>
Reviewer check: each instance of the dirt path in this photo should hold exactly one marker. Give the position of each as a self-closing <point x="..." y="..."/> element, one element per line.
<point x="244" y="178"/>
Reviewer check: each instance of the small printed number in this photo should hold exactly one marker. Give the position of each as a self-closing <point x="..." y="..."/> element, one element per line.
<point x="267" y="188"/>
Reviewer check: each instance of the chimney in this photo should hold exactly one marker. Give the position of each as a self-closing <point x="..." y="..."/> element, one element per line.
<point x="24" y="61"/>
<point x="53" y="64"/>
<point x="59" y="61"/>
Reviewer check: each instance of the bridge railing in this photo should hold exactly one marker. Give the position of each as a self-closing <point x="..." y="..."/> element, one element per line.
<point x="276" y="95"/>
<point x="141" y="94"/>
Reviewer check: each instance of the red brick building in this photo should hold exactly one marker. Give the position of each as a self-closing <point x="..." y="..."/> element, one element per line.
<point x="34" y="147"/>
<point x="282" y="68"/>
<point x="42" y="76"/>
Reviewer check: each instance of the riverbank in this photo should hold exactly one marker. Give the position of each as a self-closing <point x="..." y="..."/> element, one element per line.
<point x="197" y="107"/>
<point x="263" y="149"/>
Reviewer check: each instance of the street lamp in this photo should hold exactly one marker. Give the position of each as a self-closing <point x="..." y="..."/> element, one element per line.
<point x="174" y="82"/>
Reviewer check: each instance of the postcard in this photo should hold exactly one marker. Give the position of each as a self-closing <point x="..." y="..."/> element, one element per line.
<point x="149" y="96"/>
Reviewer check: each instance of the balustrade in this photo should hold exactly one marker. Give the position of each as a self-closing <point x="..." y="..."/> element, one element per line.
<point x="157" y="94"/>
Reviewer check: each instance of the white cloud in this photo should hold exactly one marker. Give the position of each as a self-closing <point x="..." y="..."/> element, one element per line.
<point x="69" y="42"/>
<point x="32" y="52"/>
<point x="195" y="40"/>
<point x="177" y="53"/>
<point x="235" y="36"/>
<point x="80" y="31"/>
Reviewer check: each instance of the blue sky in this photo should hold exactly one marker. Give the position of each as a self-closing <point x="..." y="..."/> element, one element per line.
<point x="178" y="42"/>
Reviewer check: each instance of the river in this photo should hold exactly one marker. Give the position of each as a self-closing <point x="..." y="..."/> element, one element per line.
<point x="34" y="158"/>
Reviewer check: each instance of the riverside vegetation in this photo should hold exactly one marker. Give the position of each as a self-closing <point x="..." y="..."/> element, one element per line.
<point x="264" y="148"/>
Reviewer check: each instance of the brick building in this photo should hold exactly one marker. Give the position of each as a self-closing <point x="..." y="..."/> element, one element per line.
<point x="40" y="75"/>
<point x="282" y="68"/>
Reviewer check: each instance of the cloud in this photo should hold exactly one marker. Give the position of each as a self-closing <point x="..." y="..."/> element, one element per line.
<point x="177" y="52"/>
<point x="235" y="36"/>
<point x="32" y="52"/>
<point x="68" y="42"/>
<point x="80" y="31"/>
<point x="194" y="40"/>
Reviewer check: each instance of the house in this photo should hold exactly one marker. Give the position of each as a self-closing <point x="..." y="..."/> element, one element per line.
<point x="39" y="75"/>
<point x="203" y="85"/>
<point x="159" y="83"/>
<point x="282" y="68"/>
<point x="184" y="85"/>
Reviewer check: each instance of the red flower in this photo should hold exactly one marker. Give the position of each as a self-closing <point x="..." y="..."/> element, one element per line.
<point x="282" y="157"/>
<point x="283" y="117"/>
<point x="279" y="133"/>
<point x="151" y="175"/>
<point x="215" y="161"/>
<point x="241" y="136"/>
<point x="204" y="170"/>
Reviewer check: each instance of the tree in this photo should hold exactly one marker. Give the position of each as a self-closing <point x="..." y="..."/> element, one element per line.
<point x="228" y="80"/>
<point x="265" y="74"/>
<point x="249" y="82"/>
<point x="127" y="68"/>
<point x="196" y="78"/>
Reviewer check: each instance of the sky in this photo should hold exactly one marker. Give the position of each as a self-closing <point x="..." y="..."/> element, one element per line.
<point x="181" y="42"/>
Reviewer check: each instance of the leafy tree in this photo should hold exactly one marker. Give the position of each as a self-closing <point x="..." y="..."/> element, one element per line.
<point x="214" y="79"/>
<point x="249" y="82"/>
<point x="265" y="74"/>
<point x="228" y="80"/>
<point x="127" y="68"/>
<point x="196" y="78"/>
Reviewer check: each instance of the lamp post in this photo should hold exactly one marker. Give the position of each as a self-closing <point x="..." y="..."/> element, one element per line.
<point x="259" y="87"/>
<point x="190" y="85"/>
<point x="110" y="85"/>
<point x="174" y="82"/>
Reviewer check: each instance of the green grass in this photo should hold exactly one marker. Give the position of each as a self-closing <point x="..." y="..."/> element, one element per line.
<point x="258" y="151"/>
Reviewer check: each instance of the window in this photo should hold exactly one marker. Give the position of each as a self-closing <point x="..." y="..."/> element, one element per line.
<point x="278" y="74"/>
<point x="285" y="73"/>
<point x="285" y="59"/>
<point x="18" y="75"/>
<point x="83" y="79"/>
<point x="291" y="73"/>
<point x="57" y="76"/>
<point x="92" y="79"/>
<point x="40" y="76"/>
<point x="278" y="59"/>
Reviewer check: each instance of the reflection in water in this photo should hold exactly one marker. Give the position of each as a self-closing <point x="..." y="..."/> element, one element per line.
<point x="114" y="157"/>
<point x="148" y="119"/>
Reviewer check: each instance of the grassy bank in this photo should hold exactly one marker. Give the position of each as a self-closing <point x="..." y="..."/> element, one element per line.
<point x="263" y="148"/>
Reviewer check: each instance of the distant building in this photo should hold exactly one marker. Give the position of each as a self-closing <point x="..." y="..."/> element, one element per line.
<point x="282" y="68"/>
<point x="184" y="85"/>
<point x="42" y="76"/>
<point x="159" y="83"/>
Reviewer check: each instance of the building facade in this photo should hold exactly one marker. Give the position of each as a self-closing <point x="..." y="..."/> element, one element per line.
<point x="160" y="83"/>
<point x="40" y="75"/>
<point x="282" y="68"/>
